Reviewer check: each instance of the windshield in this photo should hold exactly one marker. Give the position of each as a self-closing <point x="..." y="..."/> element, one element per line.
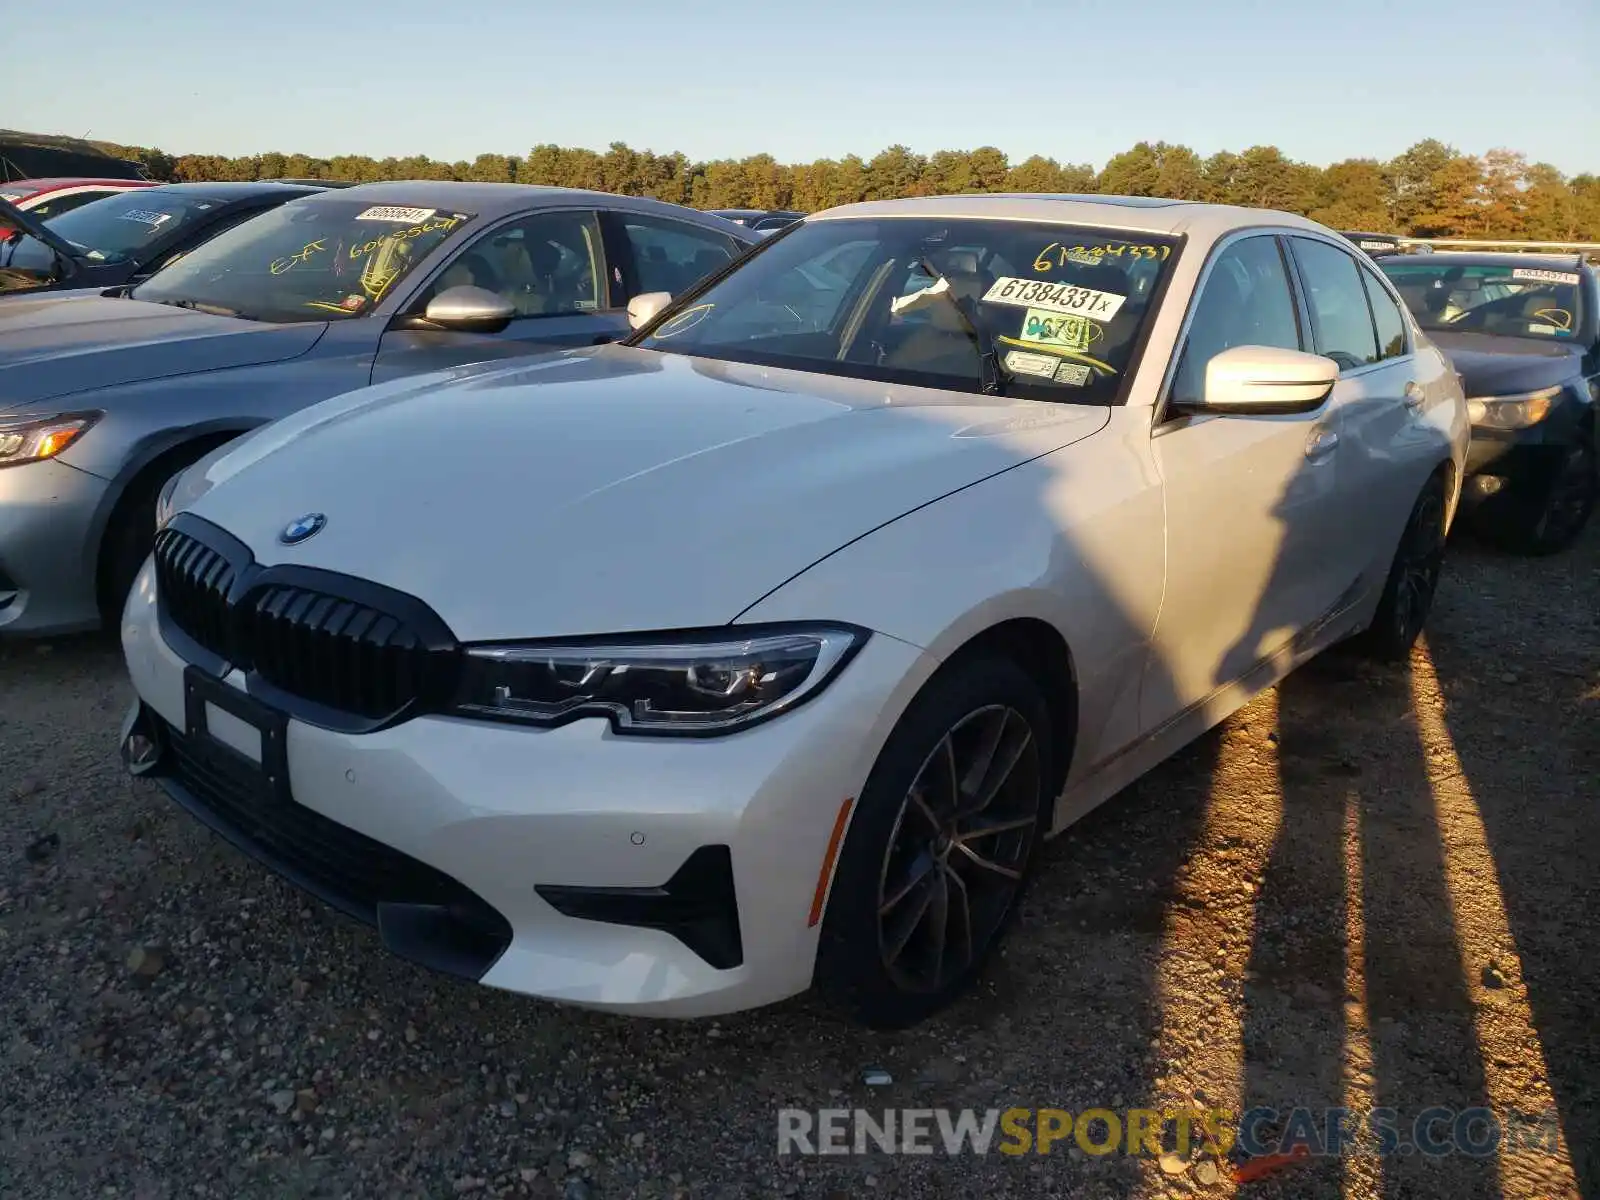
<point x="118" y="227"/>
<point x="305" y="261"/>
<point x="923" y="300"/>
<point x="1512" y="300"/>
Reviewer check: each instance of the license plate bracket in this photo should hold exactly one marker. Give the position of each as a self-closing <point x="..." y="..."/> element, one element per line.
<point x="266" y="781"/>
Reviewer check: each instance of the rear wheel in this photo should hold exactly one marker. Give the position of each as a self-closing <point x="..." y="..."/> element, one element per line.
<point x="1545" y="516"/>
<point x="1413" y="579"/>
<point x="941" y="845"/>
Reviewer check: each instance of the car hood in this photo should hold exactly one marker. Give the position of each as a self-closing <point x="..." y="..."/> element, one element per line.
<point x="608" y="490"/>
<point x="1503" y="366"/>
<point x="55" y="345"/>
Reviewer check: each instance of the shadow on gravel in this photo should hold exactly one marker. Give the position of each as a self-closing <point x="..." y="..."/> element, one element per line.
<point x="1525" y="723"/>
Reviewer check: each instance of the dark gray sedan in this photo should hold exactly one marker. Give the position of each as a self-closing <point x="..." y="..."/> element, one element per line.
<point x="103" y="396"/>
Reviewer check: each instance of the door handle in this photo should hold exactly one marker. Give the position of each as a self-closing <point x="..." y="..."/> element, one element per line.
<point x="1414" y="395"/>
<point x="1321" y="444"/>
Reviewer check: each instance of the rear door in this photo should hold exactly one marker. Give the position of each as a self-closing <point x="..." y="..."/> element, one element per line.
<point x="551" y="265"/>
<point x="1385" y="451"/>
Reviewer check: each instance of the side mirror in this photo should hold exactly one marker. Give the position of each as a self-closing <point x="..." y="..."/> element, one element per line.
<point x="644" y="308"/>
<point x="470" y="310"/>
<point x="1267" y="381"/>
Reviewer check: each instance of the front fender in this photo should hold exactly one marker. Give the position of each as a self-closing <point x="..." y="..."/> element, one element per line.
<point x="1074" y="539"/>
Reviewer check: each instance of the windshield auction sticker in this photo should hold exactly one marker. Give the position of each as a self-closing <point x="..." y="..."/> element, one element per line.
<point x="1020" y="362"/>
<point x="1054" y="297"/>
<point x="1046" y="328"/>
<point x="1541" y="276"/>
<point x="401" y="216"/>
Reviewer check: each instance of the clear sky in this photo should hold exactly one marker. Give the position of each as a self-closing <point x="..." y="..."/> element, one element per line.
<point x="813" y="78"/>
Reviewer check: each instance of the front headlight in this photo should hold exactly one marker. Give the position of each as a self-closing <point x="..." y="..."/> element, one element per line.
<point x="707" y="682"/>
<point x="39" y="438"/>
<point x="1512" y="412"/>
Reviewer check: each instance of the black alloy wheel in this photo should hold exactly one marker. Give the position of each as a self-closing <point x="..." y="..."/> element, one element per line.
<point x="958" y="850"/>
<point x="940" y="845"/>
<point x="1569" y="500"/>
<point x="1413" y="579"/>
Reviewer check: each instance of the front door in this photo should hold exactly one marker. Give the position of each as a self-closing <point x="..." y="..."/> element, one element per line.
<point x="550" y="265"/>
<point x="1250" y="500"/>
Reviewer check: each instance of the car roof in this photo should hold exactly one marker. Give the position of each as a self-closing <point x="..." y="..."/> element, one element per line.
<point x="1148" y="214"/>
<point x="238" y="189"/>
<point x="55" y="182"/>
<point x="500" y="199"/>
<point x="1487" y="258"/>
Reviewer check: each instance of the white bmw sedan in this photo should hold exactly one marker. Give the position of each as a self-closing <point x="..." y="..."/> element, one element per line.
<point x="764" y="649"/>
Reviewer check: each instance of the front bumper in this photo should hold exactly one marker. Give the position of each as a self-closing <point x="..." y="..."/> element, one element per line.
<point x="1525" y="456"/>
<point x="47" y="513"/>
<point x="502" y="813"/>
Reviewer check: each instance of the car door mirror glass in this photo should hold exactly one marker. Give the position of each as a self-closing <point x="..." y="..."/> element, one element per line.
<point x="1265" y="380"/>
<point x="470" y="309"/>
<point x="645" y="308"/>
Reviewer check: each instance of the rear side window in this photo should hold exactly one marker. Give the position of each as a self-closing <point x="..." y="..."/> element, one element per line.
<point x="673" y="256"/>
<point x="1340" y="318"/>
<point x="1386" y="318"/>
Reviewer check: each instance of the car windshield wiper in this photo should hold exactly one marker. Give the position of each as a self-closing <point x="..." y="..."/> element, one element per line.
<point x="993" y="377"/>
<point x="215" y="310"/>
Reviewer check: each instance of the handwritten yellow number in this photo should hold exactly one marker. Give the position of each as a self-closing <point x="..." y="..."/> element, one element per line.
<point x="1042" y="262"/>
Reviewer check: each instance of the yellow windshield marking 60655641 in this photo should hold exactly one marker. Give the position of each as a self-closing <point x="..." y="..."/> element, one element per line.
<point x="280" y="265"/>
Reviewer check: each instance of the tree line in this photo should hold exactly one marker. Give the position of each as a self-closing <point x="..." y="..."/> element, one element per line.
<point x="1430" y="190"/>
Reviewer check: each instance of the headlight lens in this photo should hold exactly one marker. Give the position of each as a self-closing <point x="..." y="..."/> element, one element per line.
<point x="710" y="682"/>
<point x="39" y="438"/>
<point x="1512" y="412"/>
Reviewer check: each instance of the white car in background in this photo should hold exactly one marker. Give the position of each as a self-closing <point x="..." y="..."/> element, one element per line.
<point x="764" y="649"/>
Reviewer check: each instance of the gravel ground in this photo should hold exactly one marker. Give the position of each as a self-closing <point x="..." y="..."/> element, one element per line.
<point x="1372" y="887"/>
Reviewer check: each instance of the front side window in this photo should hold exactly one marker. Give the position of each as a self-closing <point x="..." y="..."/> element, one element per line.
<point x="549" y="264"/>
<point x="1530" y="299"/>
<point x="305" y="261"/>
<point x="671" y="256"/>
<point x="1245" y="301"/>
<point x="1340" y="317"/>
<point x="937" y="302"/>
<point x="119" y="227"/>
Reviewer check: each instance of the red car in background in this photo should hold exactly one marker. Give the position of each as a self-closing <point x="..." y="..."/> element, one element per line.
<point x="46" y="198"/>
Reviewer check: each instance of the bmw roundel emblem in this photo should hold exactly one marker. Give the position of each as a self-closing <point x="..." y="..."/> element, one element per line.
<point x="301" y="528"/>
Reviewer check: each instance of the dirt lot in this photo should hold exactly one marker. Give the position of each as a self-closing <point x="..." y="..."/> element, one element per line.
<point x="1374" y="887"/>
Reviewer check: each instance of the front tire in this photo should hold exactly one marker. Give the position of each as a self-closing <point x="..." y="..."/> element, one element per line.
<point x="128" y="542"/>
<point x="1546" y="516"/>
<point x="1413" y="579"/>
<point x="941" y="846"/>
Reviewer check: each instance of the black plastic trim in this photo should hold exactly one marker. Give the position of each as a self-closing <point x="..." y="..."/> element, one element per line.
<point x="698" y="906"/>
<point x="436" y="643"/>
<point x="464" y="937"/>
